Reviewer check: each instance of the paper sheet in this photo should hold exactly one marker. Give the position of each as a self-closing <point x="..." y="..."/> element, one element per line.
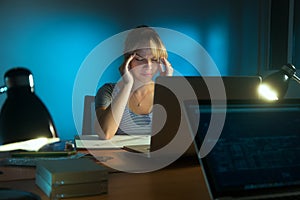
<point x="28" y="145"/>
<point x="118" y="141"/>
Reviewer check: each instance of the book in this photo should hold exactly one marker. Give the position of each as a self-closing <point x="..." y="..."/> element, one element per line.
<point x="71" y="190"/>
<point x="117" y="142"/>
<point x="70" y="178"/>
<point x="70" y="171"/>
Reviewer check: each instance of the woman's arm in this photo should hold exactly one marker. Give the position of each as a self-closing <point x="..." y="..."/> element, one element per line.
<point x="109" y="118"/>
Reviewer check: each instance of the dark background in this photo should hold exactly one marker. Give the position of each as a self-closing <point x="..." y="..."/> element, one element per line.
<point x="53" y="38"/>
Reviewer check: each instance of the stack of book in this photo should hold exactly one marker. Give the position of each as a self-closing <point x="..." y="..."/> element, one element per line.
<point x="71" y="178"/>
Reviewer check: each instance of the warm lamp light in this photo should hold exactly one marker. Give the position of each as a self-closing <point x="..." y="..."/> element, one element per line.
<point x="23" y="116"/>
<point x="275" y="85"/>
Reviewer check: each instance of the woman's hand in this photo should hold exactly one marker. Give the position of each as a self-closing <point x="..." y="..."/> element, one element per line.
<point x="168" y="68"/>
<point x="127" y="76"/>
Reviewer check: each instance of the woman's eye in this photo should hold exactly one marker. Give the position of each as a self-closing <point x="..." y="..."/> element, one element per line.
<point x="139" y="59"/>
<point x="144" y="60"/>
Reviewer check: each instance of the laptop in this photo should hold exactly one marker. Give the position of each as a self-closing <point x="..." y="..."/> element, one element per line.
<point x="257" y="154"/>
<point x="169" y="123"/>
<point x="171" y="92"/>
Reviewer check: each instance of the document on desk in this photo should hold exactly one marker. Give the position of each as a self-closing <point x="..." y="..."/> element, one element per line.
<point x="117" y="142"/>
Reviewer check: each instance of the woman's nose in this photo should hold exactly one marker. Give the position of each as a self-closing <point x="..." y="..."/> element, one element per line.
<point x="149" y="63"/>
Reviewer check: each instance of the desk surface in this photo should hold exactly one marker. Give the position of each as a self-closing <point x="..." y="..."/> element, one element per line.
<point x="178" y="181"/>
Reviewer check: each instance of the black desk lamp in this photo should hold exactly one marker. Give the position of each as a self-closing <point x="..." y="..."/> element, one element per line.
<point x="275" y="85"/>
<point x="23" y="116"/>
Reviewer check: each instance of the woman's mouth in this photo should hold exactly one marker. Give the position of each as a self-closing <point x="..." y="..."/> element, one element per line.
<point x="146" y="74"/>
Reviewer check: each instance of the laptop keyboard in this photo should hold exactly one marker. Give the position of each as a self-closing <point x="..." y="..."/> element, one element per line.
<point x="256" y="153"/>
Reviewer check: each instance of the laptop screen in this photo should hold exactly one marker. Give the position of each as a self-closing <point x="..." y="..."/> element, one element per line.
<point x="258" y="150"/>
<point x="171" y="91"/>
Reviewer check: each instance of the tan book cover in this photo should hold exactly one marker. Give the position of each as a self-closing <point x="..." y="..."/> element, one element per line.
<point x="71" y="171"/>
<point x="71" y="190"/>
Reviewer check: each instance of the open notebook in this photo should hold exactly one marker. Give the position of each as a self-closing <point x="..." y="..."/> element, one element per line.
<point x="257" y="155"/>
<point x="117" y="142"/>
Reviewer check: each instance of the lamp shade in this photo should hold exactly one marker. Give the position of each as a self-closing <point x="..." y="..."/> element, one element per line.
<point x="23" y="115"/>
<point x="279" y="81"/>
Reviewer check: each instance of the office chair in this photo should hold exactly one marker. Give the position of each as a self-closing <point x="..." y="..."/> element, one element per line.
<point x="89" y="116"/>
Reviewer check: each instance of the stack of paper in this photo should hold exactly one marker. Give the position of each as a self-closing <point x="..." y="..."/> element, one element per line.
<point x="118" y="141"/>
<point x="28" y="145"/>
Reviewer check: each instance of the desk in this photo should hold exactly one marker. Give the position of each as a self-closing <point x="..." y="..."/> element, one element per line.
<point x="178" y="181"/>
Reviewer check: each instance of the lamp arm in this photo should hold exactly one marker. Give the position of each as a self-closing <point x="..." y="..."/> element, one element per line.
<point x="3" y="89"/>
<point x="296" y="78"/>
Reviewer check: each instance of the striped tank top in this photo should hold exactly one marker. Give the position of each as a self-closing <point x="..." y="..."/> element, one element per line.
<point x="131" y="123"/>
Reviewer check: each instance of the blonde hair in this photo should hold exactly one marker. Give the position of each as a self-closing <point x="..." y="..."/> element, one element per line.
<point x="143" y="37"/>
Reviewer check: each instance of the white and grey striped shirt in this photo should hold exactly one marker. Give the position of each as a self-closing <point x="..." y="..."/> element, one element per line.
<point x="131" y="123"/>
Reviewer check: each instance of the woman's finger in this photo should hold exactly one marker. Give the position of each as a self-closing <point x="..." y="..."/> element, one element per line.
<point x="168" y="67"/>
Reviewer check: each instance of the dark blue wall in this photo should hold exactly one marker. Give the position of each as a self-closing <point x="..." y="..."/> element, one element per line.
<point x="52" y="38"/>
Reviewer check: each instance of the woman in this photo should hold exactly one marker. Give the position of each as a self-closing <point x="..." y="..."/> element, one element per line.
<point x="126" y="106"/>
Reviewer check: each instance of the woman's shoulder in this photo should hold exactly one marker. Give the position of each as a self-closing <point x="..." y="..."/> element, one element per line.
<point x="104" y="95"/>
<point x="109" y="85"/>
<point x="106" y="88"/>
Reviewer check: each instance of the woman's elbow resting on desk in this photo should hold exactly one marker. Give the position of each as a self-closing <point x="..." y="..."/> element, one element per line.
<point x="104" y="134"/>
<point x="106" y="129"/>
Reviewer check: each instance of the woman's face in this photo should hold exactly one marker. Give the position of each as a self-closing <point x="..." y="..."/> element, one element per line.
<point x="144" y="65"/>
